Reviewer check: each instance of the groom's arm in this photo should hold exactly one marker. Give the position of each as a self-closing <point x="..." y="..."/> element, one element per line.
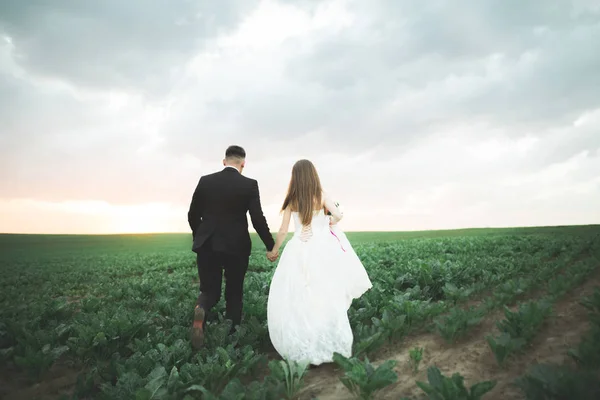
<point x="259" y="222"/>
<point x="196" y="209"/>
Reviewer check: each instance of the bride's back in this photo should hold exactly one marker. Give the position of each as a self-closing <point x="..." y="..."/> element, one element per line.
<point x="317" y="225"/>
<point x="305" y="200"/>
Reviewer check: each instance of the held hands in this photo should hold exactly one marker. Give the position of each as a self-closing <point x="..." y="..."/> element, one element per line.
<point x="272" y="255"/>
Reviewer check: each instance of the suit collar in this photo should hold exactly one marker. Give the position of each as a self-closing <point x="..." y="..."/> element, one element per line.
<point x="230" y="169"/>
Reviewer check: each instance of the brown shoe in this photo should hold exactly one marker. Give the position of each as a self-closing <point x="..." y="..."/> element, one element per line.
<point x="198" y="328"/>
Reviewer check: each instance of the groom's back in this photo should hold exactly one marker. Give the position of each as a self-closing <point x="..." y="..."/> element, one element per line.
<point x="217" y="214"/>
<point x="218" y="211"/>
<point x="226" y="195"/>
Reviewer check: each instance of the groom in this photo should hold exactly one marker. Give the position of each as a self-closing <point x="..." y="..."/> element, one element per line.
<point x="217" y="217"/>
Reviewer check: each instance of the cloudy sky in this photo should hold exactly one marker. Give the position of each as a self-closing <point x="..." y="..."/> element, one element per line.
<point x="417" y="114"/>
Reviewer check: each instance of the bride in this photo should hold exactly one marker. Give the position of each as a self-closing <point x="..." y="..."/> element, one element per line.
<point x="317" y="277"/>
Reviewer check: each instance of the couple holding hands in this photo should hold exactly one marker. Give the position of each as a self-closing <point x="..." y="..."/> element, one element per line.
<point x="318" y="274"/>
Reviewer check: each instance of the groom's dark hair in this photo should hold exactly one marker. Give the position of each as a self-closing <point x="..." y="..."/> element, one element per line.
<point x="235" y="152"/>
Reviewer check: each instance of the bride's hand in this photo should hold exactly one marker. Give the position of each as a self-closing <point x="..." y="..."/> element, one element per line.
<point x="272" y="255"/>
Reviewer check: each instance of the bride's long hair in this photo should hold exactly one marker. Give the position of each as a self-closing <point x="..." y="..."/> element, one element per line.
<point x="304" y="192"/>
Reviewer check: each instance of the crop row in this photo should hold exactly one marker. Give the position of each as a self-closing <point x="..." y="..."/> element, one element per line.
<point x="554" y="381"/>
<point x="124" y="318"/>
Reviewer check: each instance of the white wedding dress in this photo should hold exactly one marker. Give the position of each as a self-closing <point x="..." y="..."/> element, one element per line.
<point x="317" y="277"/>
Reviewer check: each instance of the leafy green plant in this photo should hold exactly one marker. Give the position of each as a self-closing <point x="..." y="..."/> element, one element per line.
<point x="214" y="371"/>
<point x="391" y="325"/>
<point x="455" y="294"/>
<point x="587" y="353"/>
<point x="416" y="311"/>
<point x="415" y="357"/>
<point x="123" y="304"/>
<point x="269" y="389"/>
<point x="558" y="287"/>
<point x="159" y="384"/>
<point x="557" y="382"/>
<point x="291" y="373"/>
<point x="592" y="303"/>
<point x="36" y="362"/>
<point x="368" y="338"/>
<point x="525" y="322"/>
<point x="440" y="387"/>
<point x="457" y="323"/>
<point x="362" y="379"/>
<point x="504" y="345"/>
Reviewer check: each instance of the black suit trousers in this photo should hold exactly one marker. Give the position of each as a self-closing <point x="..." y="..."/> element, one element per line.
<point x="211" y="265"/>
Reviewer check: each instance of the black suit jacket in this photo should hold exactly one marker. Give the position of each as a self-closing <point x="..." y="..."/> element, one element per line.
<point x="218" y="211"/>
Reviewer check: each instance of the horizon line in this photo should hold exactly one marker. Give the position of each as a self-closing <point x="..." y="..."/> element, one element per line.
<point x="349" y="231"/>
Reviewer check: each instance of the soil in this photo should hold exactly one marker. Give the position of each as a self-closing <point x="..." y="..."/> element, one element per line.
<point x="472" y="357"/>
<point x="59" y="380"/>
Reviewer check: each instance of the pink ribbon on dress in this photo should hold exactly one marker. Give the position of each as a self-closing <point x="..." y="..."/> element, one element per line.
<point x="338" y="239"/>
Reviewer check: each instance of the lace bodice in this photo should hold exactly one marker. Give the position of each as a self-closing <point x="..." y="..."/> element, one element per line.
<point x="319" y="223"/>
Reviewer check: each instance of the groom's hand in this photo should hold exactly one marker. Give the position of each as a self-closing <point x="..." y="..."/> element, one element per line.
<point x="272" y="255"/>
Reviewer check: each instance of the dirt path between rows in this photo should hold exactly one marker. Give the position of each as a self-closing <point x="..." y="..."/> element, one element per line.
<point x="472" y="357"/>
<point x="59" y="380"/>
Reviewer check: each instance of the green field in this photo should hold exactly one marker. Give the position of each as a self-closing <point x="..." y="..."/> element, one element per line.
<point x="108" y="316"/>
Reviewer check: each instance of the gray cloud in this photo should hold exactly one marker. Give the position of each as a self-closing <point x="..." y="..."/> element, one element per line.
<point x="546" y="69"/>
<point x="420" y="90"/>
<point x="407" y="69"/>
<point x="135" y="44"/>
